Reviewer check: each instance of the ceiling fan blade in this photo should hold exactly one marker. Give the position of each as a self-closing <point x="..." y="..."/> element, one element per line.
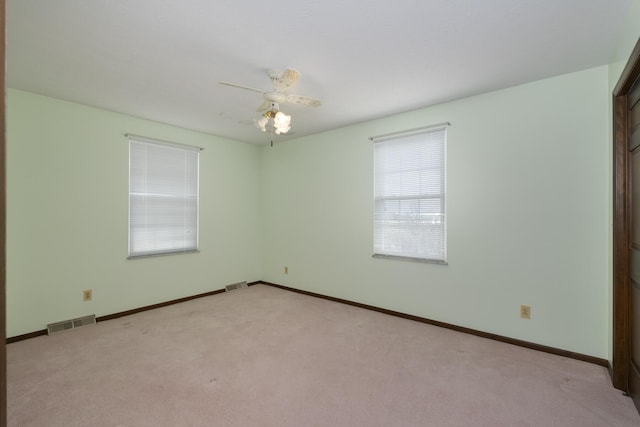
<point x="264" y="106"/>
<point x="303" y="100"/>
<point x="287" y="79"/>
<point x="242" y="87"/>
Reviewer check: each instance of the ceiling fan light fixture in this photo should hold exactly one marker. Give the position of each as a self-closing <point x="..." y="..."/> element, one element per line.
<point x="279" y="122"/>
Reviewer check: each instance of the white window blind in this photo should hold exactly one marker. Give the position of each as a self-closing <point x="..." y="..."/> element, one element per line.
<point x="409" y="191"/>
<point x="163" y="197"/>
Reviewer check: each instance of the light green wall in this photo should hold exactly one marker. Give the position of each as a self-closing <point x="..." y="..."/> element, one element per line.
<point x="528" y="212"/>
<point x="67" y="215"/>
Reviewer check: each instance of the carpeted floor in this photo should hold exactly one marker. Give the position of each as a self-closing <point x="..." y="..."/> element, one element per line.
<point x="268" y="357"/>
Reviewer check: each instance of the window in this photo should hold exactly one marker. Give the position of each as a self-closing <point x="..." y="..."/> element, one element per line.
<point x="409" y="192"/>
<point x="163" y="197"/>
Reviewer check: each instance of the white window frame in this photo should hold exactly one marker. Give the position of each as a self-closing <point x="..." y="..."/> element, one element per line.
<point x="163" y="208"/>
<point x="417" y="230"/>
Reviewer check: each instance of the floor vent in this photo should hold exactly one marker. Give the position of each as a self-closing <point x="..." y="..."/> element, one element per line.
<point x="239" y="285"/>
<point x="53" y="328"/>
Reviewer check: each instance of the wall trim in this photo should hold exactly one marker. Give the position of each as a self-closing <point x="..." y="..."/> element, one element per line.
<point x="495" y="337"/>
<point x="26" y="336"/>
<point x="154" y="306"/>
<point x="126" y="313"/>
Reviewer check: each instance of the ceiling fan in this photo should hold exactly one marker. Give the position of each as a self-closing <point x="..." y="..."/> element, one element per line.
<point x="273" y="119"/>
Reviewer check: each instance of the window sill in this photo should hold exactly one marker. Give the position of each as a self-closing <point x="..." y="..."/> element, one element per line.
<point x="163" y="254"/>
<point x="413" y="259"/>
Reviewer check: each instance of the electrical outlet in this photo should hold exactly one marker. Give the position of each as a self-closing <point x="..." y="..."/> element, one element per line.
<point x="525" y="311"/>
<point x="87" y="295"/>
<point x="286" y="270"/>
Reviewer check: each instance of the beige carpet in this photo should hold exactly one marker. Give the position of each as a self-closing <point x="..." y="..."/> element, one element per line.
<point x="268" y="357"/>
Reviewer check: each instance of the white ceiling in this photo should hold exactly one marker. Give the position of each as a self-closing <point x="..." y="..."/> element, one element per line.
<point x="162" y="59"/>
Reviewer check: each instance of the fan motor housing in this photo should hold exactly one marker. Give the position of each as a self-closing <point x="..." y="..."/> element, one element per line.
<point x="277" y="97"/>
